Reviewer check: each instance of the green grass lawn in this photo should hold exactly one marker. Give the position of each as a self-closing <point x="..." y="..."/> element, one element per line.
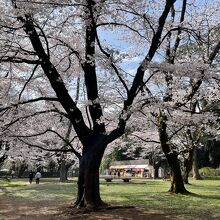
<point x="204" y="203"/>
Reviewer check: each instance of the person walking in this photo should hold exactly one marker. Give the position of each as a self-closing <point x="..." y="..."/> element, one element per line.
<point x="37" y="177"/>
<point x="31" y="176"/>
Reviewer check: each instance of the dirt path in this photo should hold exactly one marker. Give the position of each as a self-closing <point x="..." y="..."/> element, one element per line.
<point x="22" y="209"/>
<point x="137" y="213"/>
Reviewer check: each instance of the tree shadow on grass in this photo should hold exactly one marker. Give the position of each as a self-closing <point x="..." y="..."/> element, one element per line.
<point x="205" y="196"/>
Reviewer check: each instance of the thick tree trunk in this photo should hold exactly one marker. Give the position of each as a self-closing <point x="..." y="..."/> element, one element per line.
<point x="63" y="171"/>
<point x="88" y="187"/>
<point x="64" y="168"/>
<point x="195" y="168"/>
<point x="88" y="180"/>
<point x="177" y="185"/>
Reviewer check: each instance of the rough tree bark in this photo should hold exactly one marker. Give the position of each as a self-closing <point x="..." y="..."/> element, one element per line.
<point x="177" y="185"/>
<point x="193" y="141"/>
<point x="195" y="168"/>
<point x="188" y="166"/>
<point x="88" y="181"/>
<point x="63" y="170"/>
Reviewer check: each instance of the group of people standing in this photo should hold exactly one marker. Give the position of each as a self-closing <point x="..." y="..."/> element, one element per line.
<point x="37" y="177"/>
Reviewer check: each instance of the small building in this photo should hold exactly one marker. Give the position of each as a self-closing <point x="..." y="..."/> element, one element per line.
<point x="134" y="168"/>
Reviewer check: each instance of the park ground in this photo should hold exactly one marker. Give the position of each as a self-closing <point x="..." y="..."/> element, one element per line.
<point x="138" y="199"/>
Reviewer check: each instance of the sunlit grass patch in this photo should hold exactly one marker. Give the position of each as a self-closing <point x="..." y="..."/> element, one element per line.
<point x="203" y="203"/>
<point x="12" y="183"/>
<point x="48" y="191"/>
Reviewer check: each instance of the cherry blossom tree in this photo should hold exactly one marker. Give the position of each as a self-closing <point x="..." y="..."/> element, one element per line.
<point x="181" y="91"/>
<point x="35" y="37"/>
<point x="172" y="97"/>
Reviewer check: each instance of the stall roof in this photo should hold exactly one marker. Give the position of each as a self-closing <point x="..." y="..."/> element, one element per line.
<point x="140" y="166"/>
<point x="130" y="162"/>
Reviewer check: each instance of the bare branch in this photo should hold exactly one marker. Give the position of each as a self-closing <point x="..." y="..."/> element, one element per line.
<point x="44" y="148"/>
<point x="146" y="140"/>
<point x="32" y="74"/>
<point x="18" y="60"/>
<point x="27" y="116"/>
<point x="121" y="25"/>
<point x="112" y="64"/>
